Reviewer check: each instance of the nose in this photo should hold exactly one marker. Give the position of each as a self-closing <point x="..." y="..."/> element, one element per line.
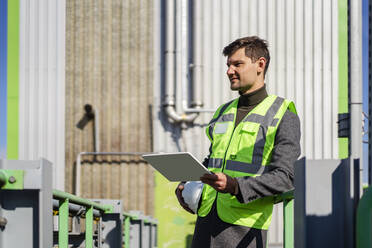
<point x="230" y="71"/>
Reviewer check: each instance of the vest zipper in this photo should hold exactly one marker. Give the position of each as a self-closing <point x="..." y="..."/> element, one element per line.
<point x="224" y="158"/>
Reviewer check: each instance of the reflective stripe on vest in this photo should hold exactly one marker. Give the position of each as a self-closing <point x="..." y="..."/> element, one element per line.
<point x="215" y="162"/>
<point x="239" y="166"/>
<point x="246" y="167"/>
<point x="264" y="121"/>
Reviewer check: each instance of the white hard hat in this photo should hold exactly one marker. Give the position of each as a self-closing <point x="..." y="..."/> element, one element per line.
<point x="191" y="194"/>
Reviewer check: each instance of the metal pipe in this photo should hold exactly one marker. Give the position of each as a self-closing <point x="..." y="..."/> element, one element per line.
<point x="198" y="110"/>
<point x="96" y="130"/>
<point x="196" y="67"/>
<point x="57" y="194"/>
<point x="356" y="107"/>
<point x="169" y="100"/>
<point x="78" y="164"/>
<point x="75" y="209"/>
<point x="184" y="50"/>
<point x="197" y="54"/>
<point x="169" y="54"/>
<point x="138" y="215"/>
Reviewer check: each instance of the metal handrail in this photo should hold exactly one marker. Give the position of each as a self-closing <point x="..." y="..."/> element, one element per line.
<point x="61" y="195"/>
<point x="363" y="220"/>
<point x="75" y="209"/>
<point x="67" y="205"/>
<point x="63" y="213"/>
<point x="288" y="216"/>
<point x="134" y="215"/>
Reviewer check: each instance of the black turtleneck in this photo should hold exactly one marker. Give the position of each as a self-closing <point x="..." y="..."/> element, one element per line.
<point x="248" y="101"/>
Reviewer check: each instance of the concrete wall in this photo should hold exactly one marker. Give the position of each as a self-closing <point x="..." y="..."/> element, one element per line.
<point x="109" y="65"/>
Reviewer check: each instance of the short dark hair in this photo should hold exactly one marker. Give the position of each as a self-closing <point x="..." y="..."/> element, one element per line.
<point x="255" y="48"/>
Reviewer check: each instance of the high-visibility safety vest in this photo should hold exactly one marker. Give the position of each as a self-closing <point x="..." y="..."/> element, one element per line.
<point x="243" y="151"/>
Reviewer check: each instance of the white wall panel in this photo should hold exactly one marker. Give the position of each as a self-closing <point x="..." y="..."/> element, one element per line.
<point x="42" y="83"/>
<point x="303" y="42"/>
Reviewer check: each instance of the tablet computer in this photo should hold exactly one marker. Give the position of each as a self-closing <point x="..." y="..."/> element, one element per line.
<point x="180" y="166"/>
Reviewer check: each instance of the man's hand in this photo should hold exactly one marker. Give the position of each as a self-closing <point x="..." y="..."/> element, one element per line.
<point x="178" y="192"/>
<point x="221" y="182"/>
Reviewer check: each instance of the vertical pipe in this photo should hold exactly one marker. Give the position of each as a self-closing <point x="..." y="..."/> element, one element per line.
<point x="96" y="131"/>
<point x="356" y="81"/>
<point x="197" y="54"/>
<point x="169" y="53"/>
<point x="288" y="233"/>
<point x="126" y="231"/>
<point x="78" y="174"/>
<point x="191" y="43"/>
<point x="169" y="84"/>
<point x="185" y="34"/>
<point x="89" y="227"/>
<point x="63" y="224"/>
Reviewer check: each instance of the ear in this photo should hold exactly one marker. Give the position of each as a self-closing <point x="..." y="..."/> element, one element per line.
<point x="261" y="64"/>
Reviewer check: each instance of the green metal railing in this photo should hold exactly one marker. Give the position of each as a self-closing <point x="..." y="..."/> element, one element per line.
<point x="63" y="213"/>
<point x="364" y="220"/>
<point x="129" y="218"/>
<point x="67" y="205"/>
<point x="288" y="217"/>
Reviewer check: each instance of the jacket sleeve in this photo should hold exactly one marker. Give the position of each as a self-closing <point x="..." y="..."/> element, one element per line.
<point x="280" y="178"/>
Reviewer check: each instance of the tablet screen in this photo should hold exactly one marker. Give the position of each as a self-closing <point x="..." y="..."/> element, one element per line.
<point x="180" y="166"/>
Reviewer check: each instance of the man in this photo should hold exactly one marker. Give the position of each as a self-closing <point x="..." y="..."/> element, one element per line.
<point x="254" y="144"/>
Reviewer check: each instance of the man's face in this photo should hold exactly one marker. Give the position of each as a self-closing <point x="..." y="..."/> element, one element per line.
<point x="244" y="75"/>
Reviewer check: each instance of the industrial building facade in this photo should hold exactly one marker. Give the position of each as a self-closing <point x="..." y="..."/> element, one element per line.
<point x="112" y="55"/>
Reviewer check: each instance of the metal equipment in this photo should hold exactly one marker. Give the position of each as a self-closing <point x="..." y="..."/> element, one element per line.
<point x="28" y="203"/>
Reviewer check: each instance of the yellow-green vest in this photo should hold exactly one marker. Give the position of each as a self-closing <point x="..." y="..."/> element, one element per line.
<point x="243" y="151"/>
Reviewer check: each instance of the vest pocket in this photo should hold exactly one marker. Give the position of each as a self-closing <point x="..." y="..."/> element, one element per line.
<point x="247" y="139"/>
